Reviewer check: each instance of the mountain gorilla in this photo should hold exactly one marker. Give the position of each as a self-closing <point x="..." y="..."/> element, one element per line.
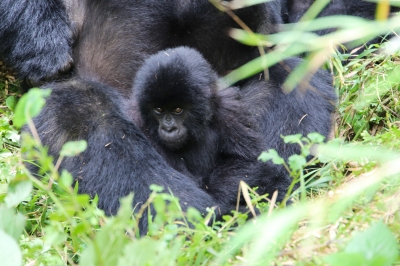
<point x="176" y="93"/>
<point x="206" y="133"/>
<point x="112" y="38"/>
<point x="110" y="41"/>
<point x="190" y="122"/>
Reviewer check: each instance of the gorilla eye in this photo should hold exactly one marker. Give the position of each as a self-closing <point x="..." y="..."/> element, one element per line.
<point x="178" y="110"/>
<point x="158" y="110"/>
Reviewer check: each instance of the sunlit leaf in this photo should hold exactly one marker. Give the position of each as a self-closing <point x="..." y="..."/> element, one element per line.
<point x="18" y="190"/>
<point x="30" y="105"/>
<point x="10" y="254"/>
<point x="73" y="148"/>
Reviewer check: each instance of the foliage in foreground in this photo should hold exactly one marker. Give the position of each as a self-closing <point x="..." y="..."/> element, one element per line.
<point x="345" y="212"/>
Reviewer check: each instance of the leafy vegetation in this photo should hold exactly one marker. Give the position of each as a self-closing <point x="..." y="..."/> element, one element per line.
<point x="345" y="212"/>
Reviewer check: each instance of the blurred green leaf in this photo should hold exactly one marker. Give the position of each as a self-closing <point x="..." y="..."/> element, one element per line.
<point x="18" y="190"/>
<point x="297" y="162"/>
<point x="346" y="259"/>
<point x="30" y="105"/>
<point x="376" y="246"/>
<point x="296" y="138"/>
<point x="271" y="154"/>
<point x="316" y="137"/>
<point x="11" y="102"/>
<point x="11" y="223"/>
<point x="264" y="236"/>
<point x="73" y="148"/>
<point x="10" y="254"/>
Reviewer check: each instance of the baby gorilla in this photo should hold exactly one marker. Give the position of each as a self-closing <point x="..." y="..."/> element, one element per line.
<point x="214" y="136"/>
<point x="195" y="126"/>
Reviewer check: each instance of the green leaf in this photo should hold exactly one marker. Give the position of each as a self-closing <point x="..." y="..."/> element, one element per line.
<point x="11" y="102"/>
<point x="107" y="247"/>
<point x="30" y="106"/>
<point x="193" y="215"/>
<point x="3" y="191"/>
<point x="316" y="137"/>
<point x="376" y="246"/>
<point x="345" y="259"/>
<point x="54" y="235"/>
<point x="18" y="190"/>
<point x="11" y="223"/>
<point x="375" y="242"/>
<point x="263" y="242"/>
<point x="10" y="254"/>
<point x="292" y="138"/>
<point x="125" y="210"/>
<point x="73" y="148"/>
<point x="247" y="38"/>
<point x="156" y="188"/>
<point x="297" y="162"/>
<point x="271" y="154"/>
<point x="147" y="251"/>
<point x="66" y="179"/>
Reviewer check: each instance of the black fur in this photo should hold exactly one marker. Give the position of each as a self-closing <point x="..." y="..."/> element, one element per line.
<point x="144" y="28"/>
<point x="308" y="108"/>
<point x="216" y="122"/>
<point x="231" y="127"/>
<point x="119" y="159"/>
<point x="35" y="38"/>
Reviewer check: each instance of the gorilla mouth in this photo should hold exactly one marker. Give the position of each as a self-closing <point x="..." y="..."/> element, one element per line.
<point x="174" y="140"/>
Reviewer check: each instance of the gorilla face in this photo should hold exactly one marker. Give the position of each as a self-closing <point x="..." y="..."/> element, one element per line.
<point x="175" y="92"/>
<point x="171" y="125"/>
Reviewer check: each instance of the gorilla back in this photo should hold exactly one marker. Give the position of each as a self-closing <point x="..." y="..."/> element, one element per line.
<point x="113" y="31"/>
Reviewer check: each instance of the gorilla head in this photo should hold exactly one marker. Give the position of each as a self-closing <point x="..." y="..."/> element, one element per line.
<point x="176" y="90"/>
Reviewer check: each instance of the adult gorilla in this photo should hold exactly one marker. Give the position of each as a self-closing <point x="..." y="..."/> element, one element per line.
<point x="113" y="37"/>
<point x="119" y="159"/>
